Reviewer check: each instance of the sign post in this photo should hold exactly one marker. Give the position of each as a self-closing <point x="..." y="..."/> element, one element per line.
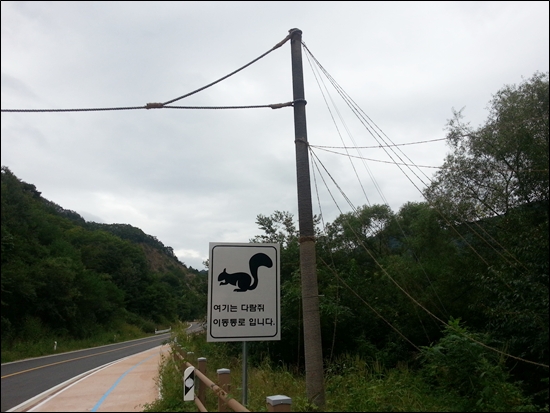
<point x="244" y="296"/>
<point x="245" y="375"/>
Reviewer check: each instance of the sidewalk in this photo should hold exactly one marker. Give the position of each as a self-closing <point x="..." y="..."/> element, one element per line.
<point x="123" y="386"/>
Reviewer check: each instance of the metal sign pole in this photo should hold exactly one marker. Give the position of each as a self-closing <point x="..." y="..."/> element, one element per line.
<point x="245" y="374"/>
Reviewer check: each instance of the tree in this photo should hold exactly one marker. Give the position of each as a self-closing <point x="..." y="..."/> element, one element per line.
<point x="494" y="187"/>
<point x="359" y="231"/>
<point x="65" y="276"/>
<point x="503" y="163"/>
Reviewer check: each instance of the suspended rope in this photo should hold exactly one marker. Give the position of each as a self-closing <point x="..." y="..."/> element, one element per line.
<point x="371" y="255"/>
<point x="156" y="105"/>
<point x="272" y="106"/>
<point x="318" y="79"/>
<point x="75" y="110"/>
<point x="232" y="73"/>
<point x="374" y="160"/>
<point x="358" y="112"/>
<point x="382" y="146"/>
<point x="366" y="121"/>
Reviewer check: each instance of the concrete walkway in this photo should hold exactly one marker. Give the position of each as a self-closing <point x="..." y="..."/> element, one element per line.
<point x="123" y="386"/>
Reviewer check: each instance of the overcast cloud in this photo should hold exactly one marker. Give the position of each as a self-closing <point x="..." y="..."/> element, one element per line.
<point x="190" y="177"/>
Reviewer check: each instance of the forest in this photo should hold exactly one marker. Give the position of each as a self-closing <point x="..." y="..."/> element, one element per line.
<point x="64" y="276"/>
<point x="455" y="287"/>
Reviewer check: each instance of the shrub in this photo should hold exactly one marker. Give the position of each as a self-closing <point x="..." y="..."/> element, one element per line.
<point x="459" y="364"/>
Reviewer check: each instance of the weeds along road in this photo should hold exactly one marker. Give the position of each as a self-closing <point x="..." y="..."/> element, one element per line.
<point x="25" y="379"/>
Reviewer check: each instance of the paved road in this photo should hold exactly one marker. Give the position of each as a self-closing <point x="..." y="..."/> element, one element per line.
<point x="195" y="327"/>
<point x="23" y="380"/>
<point x="122" y="386"/>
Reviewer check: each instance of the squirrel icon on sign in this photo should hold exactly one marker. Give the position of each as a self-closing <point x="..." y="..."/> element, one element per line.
<point x="242" y="280"/>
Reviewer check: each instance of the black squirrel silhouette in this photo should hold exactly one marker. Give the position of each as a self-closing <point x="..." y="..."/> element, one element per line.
<point x="245" y="281"/>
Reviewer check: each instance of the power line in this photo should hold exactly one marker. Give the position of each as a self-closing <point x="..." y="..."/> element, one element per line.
<point x="366" y="122"/>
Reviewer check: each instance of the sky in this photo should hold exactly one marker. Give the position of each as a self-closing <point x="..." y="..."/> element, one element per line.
<point x="190" y="177"/>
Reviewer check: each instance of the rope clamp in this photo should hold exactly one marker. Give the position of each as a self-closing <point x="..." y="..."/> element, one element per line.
<point x="306" y="239"/>
<point x="154" y="105"/>
<point x="280" y="105"/>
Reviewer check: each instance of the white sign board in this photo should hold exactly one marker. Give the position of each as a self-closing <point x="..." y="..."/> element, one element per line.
<point x="244" y="292"/>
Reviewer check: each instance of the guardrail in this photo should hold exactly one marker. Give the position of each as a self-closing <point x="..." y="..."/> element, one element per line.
<point x="163" y="331"/>
<point x="277" y="403"/>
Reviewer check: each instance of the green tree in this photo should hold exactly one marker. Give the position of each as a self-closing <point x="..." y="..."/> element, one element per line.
<point x="503" y="163"/>
<point x="63" y="276"/>
<point x="494" y="188"/>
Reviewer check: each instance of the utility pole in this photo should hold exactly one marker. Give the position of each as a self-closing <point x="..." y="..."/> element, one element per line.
<point x="315" y="387"/>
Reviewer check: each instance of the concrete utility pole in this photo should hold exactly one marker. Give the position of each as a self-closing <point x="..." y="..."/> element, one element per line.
<point x="315" y="387"/>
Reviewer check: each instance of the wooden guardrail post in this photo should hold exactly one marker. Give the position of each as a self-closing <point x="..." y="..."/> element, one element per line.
<point x="202" y="386"/>
<point x="278" y="403"/>
<point x="225" y="401"/>
<point x="180" y="352"/>
<point x="224" y="381"/>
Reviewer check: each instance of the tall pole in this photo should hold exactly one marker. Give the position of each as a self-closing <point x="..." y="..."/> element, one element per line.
<point x="315" y="387"/>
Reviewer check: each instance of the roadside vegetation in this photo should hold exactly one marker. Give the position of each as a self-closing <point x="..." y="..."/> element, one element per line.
<point x="465" y="377"/>
<point x="37" y="341"/>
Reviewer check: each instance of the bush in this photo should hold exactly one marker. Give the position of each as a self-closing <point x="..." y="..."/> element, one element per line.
<point x="458" y="364"/>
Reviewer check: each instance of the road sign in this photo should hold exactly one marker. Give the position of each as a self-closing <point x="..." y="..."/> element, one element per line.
<point x="189" y="384"/>
<point x="244" y="292"/>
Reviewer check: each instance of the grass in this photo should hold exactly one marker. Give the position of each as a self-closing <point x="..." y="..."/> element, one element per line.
<point x="351" y="384"/>
<point x="43" y="344"/>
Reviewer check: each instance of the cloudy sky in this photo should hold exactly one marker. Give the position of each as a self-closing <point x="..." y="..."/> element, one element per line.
<point x="190" y="177"/>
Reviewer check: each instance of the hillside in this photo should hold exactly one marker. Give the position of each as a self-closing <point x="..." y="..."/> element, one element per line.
<point x="70" y="276"/>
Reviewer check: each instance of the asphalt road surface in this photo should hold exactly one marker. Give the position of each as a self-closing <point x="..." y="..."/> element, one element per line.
<point x="25" y="379"/>
<point x="195" y="327"/>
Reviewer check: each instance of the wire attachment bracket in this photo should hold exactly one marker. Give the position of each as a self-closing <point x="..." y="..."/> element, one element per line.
<point x="154" y="105"/>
